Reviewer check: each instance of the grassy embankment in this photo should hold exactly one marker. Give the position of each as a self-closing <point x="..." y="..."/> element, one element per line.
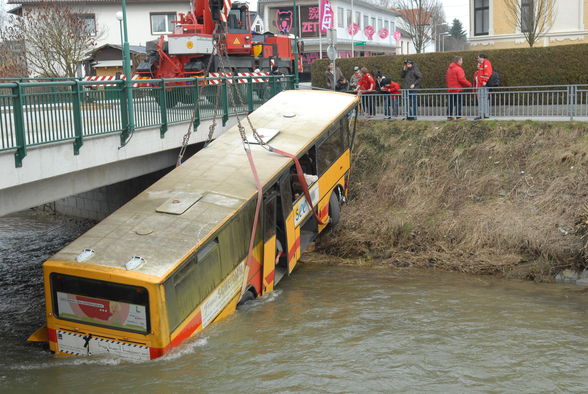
<point x="506" y="198"/>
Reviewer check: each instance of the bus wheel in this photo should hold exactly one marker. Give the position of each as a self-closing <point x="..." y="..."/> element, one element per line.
<point x="334" y="209"/>
<point x="247" y="296"/>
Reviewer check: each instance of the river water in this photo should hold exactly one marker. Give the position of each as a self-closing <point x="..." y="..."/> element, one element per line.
<point x="326" y="329"/>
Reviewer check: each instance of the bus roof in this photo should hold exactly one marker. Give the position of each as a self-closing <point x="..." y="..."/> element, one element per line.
<point x="218" y="177"/>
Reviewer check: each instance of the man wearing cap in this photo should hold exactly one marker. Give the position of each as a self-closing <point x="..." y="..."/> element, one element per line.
<point x="412" y="80"/>
<point x="355" y="78"/>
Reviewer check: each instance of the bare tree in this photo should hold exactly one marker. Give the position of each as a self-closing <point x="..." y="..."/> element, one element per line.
<point x="55" y="39"/>
<point x="532" y="17"/>
<point x="421" y="19"/>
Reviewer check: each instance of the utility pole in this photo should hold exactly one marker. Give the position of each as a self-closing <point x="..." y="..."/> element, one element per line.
<point x="296" y="54"/>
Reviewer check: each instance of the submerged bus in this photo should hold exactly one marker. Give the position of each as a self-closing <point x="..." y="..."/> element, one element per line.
<point x="174" y="259"/>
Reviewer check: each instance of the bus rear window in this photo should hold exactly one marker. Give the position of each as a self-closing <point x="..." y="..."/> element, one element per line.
<point x="100" y="303"/>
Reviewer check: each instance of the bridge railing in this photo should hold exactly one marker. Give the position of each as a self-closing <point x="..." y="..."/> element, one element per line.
<point x="37" y="113"/>
<point x="513" y="102"/>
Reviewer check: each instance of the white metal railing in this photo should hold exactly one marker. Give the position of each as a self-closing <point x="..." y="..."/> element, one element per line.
<point x="555" y="102"/>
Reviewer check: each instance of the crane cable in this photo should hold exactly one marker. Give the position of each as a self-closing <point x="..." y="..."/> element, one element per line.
<point x="212" y="127"/>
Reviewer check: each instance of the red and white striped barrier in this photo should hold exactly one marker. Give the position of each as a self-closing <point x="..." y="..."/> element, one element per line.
<point x="112" y="78"/>
<point x="258" y="77"/>
<point x="219" y="75"/>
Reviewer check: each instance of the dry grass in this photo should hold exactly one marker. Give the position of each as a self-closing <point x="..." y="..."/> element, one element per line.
<point x="508" y="197"/>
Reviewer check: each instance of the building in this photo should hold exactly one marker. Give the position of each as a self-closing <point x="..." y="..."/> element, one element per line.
<point x="491" y="28"/>
<point x="256" y="22"/>
<point x="147" y="19"/>
<point x="106" y="60"/>
<point x="362" y="29"/>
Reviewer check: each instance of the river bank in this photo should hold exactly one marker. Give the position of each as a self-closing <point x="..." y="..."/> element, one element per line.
<point x="502" y="198"/>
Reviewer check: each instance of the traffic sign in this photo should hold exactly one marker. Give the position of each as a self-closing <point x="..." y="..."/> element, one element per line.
<point x="332" y="52"/>
<point x="359" y="43"/>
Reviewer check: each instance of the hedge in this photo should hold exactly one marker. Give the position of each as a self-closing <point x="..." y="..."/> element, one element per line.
<point x="556" y="65"/>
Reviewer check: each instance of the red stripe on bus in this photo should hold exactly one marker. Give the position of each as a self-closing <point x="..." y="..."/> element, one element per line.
<point x="324" y="211"/>
<point x="188" y="330"/>
<point x="52" y="335"/>
<point x="270" y="277"/>
<point x="294" y="248"/>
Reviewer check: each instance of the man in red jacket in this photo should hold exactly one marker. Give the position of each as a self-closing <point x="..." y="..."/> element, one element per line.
<point x="366" y="86"/>
<point x="481" y="77"/>
<point x="393" y="97"/>
<point x="456" y="82"/>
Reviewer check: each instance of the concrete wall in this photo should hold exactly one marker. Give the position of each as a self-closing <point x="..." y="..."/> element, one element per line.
<point x="98" y="203"/>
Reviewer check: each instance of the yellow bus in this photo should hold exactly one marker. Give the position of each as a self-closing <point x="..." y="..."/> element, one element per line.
<point x="174" y="259"/>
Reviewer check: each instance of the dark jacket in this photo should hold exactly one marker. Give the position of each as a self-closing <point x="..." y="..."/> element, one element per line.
<point x="412" y="76"/>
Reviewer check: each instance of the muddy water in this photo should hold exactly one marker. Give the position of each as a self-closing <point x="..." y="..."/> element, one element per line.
<point x="327" y="329"/>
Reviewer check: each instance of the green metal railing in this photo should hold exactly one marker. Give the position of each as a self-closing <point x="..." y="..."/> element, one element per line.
<point x="37" y="113"/>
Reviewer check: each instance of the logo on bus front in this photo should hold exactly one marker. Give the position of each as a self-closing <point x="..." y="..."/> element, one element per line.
<point x="302" y="207"/>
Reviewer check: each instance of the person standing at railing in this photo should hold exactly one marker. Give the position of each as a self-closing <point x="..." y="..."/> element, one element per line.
<point x="456" y="82"/>
<point x="392" y="98"/>
<point x="412" y="79"/>
<point x="354" y="78"/>
<point x="336" y="78"/>
<point x="365" y="88"/>
<point x="481" y="77"/>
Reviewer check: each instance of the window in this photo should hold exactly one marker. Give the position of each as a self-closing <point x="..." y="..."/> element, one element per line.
<point x="339" y="17"/>
<point x="348" y="17"/>
<point x="161" y="23"/>
<point x="366" y="21"/>
<point x="527" y="15"/>
<point x="89" y="21"/>
<point x="100" y="303"/>
<point x="481" y="17"/>
<point x="386" y="26"/>
<point x="373" y="22"/>
<point x="357" y="17"/>
<point x="380" y="25"/>
<point x="331" y="148"/>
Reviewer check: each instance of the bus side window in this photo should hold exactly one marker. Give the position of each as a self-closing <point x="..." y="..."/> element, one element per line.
<point x="286" y="194"/>
<point x="331" y="147"/>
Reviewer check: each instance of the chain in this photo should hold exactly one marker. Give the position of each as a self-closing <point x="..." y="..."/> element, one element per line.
<point x="212" y="127"/>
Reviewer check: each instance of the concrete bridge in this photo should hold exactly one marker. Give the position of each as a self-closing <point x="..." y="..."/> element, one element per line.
<point x="60" y="139"/>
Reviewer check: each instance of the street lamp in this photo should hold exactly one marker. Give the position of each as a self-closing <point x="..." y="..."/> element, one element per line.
<point x="442" y="36"/>
<point x="122" y="17"/>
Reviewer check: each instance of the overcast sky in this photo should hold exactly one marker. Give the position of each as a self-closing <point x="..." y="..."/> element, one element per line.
<point x="457" y="9"/>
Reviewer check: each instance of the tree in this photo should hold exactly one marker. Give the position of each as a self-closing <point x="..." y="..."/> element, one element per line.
<point x="532" y="17"/>
<point x="421" y="19"/>
<point x="56" y="40"/>
<point x="457" y="30"/>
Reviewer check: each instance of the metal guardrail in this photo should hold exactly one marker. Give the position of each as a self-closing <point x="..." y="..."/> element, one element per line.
<point x="37" y="113"/>
<point x="556" y="102"/>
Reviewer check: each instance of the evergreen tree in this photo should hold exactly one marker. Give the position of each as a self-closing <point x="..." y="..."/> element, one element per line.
<point x="457" y="30"/>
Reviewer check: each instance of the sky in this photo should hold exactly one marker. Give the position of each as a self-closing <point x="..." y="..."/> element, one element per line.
<point x="457" y="9"/>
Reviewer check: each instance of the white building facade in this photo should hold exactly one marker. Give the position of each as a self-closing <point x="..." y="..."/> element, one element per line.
<point x="362" y="29"/>
<point x="147" y="20"/>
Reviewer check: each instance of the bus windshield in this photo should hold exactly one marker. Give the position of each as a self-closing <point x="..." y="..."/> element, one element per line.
<point x="100" y="303"/>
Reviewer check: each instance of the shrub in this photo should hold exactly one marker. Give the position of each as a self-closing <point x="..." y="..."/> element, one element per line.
<point x="557" y="65"/>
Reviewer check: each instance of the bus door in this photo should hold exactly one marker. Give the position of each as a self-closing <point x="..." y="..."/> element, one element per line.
<point x="270" y="252"/>
<point x="285" y="233"/>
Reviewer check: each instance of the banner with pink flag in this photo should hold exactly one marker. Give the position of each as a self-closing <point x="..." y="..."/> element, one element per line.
<point x="327" y="16"/>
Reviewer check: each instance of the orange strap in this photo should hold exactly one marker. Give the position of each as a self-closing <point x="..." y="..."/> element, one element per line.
<point x="301" y="179"/>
